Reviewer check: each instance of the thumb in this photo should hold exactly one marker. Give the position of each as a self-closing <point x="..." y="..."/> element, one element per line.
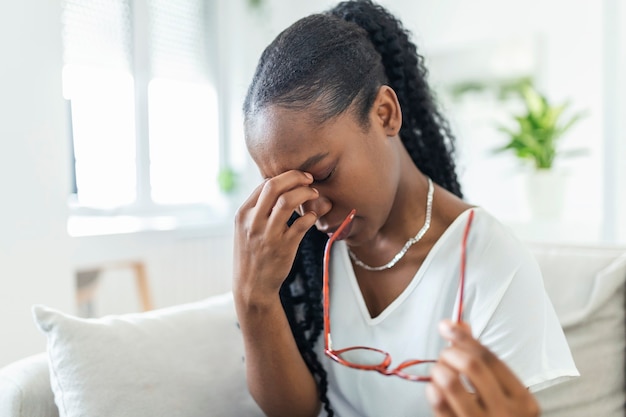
<point x="452" y="330"/>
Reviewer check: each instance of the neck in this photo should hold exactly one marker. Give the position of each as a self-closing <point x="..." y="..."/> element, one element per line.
<point x="406" y="217"/>
<point x="409" y="243"/>
<point x="408" y="211"/>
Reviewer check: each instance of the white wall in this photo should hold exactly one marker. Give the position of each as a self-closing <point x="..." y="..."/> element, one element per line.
<point x="620" y="136"/>
<point x="569" y="54"/>
<point x="615" y="105"/>
<point x="34" y="247"/>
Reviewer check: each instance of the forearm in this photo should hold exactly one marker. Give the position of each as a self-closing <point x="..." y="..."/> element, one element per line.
<point x="278" y="377"/>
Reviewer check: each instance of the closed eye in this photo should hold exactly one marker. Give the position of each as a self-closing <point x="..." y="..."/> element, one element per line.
<point x="330" y="174"/>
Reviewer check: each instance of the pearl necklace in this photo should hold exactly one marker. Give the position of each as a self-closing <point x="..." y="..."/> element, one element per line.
<point x="409" y="243"/>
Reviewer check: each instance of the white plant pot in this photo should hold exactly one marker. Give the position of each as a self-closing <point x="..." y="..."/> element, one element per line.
<point x="545" y="192"/>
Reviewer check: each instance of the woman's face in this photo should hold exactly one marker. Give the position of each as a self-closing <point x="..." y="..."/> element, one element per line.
<point x="353" y="167"/>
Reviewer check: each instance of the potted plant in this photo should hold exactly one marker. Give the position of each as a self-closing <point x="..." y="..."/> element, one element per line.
<point x="536" y="138"/>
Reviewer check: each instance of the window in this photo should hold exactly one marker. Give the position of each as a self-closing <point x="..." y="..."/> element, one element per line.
<point x="138" y="76"/>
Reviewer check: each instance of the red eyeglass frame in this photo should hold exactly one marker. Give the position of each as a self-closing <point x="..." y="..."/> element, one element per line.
<point x="382" y="367"/>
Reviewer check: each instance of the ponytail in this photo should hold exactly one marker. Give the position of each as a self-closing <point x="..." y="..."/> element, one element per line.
<point x="425" y="133"/>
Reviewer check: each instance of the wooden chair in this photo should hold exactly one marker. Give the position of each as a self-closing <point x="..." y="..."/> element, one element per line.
<point x="87" y="279"/>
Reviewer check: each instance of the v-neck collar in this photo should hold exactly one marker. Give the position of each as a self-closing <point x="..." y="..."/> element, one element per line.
<point x="340" y="249"/>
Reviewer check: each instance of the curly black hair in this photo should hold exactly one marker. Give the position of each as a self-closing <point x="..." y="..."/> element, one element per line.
<point x="326" y="64"/>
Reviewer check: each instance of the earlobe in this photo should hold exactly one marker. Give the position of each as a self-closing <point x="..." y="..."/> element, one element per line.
<point x="388" y="110"/>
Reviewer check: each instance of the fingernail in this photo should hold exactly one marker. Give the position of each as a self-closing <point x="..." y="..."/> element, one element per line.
<point x="446" y="329"/>
<point x="309" y="176"/>
<point x="315" y="189"/>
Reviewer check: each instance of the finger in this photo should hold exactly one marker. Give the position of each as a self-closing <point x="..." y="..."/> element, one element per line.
<point x="461" y="336"/>
<point x="448" y="381"/>
<point x="244" y="218"/>
<point x="302" y="225"/>
<point x="286" y="204"/>
<point x="273" y="188"/>
<point x="498" y="395"/>
<point x="470" y="364"/>
<point x="438" y="402"/>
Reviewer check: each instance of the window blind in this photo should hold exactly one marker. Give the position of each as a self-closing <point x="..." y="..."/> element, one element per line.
<point x="97" y="33"/>
<point x="178" y="39"/>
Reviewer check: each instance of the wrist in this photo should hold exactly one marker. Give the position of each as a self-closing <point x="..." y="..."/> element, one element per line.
<point x="255" y="301"/>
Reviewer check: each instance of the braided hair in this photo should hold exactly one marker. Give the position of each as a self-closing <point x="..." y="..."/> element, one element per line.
<point x="326" y="64"/>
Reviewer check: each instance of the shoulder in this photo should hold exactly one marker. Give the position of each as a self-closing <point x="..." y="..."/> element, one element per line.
<point x="494" y="244"/>
<point x="499" y="266"/>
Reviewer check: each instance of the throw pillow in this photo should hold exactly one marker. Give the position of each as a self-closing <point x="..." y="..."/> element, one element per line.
<point x="586" y="286"/>
<point x="184" y="361"/>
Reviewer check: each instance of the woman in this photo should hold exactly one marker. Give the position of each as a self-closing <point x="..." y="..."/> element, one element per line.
<point x="338" y="117"/>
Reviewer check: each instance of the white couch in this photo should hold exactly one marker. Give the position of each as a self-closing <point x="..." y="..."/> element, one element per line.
<point x="187" y="360"/>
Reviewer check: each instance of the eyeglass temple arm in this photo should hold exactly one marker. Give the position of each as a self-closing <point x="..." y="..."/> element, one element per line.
<point x="326" y="274"/>
<point x="463" y="262"/>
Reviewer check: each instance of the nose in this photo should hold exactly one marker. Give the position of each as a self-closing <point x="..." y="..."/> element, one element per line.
<point x="321" y="206"/>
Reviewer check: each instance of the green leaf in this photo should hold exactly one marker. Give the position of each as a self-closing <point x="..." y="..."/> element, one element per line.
<point x="573" y="120"/>
<point x="227" y="180"/>
<point x="537" y="131"/>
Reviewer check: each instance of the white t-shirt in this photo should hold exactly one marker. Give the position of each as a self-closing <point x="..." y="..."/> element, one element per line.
<point x="505" y="304"/>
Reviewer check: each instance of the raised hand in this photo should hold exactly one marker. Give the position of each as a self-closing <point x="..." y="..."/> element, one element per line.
<point x="497" y="391"/>
<point x="265" y="246"/>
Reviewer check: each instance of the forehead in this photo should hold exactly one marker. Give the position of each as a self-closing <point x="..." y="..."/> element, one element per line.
<point x="281" y="139"/>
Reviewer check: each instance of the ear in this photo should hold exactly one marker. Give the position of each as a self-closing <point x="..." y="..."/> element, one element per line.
<point x="387" y="111"/>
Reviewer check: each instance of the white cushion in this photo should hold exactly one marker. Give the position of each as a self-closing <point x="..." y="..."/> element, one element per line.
<point x="184" y="361"/>
<point x="586" y="286"/>
<point x="25" y="389"/>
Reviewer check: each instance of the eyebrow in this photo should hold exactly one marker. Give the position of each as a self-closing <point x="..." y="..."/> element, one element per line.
<point x="312" y="161"/>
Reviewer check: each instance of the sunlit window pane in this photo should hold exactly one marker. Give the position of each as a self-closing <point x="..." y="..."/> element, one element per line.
<point x="184" y="155"/>
<point x="104" y="134"/>
<point x="125" y="59"/>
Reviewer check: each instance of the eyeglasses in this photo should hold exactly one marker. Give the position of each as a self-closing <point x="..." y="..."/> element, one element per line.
<point x="372" y="359"/>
